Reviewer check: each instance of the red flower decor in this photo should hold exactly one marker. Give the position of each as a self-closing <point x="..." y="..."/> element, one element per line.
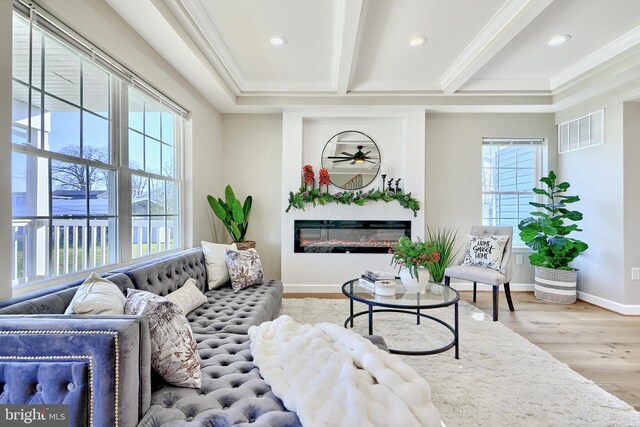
<point x="324" y="177"/>
<point x="307" y="171"/>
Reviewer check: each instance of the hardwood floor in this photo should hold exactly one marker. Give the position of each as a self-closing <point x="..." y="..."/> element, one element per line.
<point x="601" y="345"/>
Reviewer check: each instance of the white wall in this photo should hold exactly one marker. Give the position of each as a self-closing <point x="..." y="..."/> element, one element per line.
<point x="399" y="135"/>
<point x="253" y="165"/>
<point x="596" y="174"/>
<point x="5" y="148"/>
<point x="454" y="161"/>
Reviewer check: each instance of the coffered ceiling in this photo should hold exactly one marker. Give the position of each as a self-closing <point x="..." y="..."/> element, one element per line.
<point x="478" y="55"/>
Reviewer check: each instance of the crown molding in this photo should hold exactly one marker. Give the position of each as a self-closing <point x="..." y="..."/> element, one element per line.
<point x="511" y="18"/>
<point x="592" y="62"/>
<point x="197" y="22"/>
<point x="503" y="85"/>
<point x="256" y="86"/>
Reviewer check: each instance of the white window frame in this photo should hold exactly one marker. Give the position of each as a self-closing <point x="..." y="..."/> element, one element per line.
<point x="120" y="79"/>
<point x="539" y="165"/>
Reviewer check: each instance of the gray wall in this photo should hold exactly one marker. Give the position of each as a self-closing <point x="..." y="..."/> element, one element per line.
<point x="631" y="159"/>
<point x="597" y="176"/>
<point x="454" y="161"/>
<point x="253" y="165"/>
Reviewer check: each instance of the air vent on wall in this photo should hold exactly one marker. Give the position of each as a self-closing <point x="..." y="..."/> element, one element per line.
<point x="582" y="132"/>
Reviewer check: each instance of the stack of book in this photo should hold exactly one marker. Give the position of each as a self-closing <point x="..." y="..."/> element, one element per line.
<point x="368" y="279"/>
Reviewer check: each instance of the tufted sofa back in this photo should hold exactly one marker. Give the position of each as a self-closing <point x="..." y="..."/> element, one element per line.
<point x="168" y="274"/>
<point x="55" y="300"/>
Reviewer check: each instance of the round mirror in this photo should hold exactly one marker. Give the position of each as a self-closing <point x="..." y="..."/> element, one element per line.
<point x="352" y="159"/>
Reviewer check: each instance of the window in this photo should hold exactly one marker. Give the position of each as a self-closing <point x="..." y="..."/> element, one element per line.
<point x="154" y="195"/>
<point x="511" y="169"/>
<point x="69" y="157"/>
<point x="581" y="133"/>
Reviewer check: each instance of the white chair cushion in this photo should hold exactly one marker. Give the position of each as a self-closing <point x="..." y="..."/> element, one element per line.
<point x="476" y="274"/>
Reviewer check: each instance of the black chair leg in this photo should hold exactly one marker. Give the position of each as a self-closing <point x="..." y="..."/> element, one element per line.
<point x="475" y="286"/>
<point x="495" y="303"/>
<point x="447" y="279"/>
<point x="507" y="291"/>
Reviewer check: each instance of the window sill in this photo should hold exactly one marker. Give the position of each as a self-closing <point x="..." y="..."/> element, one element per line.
<point x="37" y="285"/>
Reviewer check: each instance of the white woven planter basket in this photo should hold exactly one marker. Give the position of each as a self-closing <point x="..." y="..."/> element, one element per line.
<point x="557" y="286"/>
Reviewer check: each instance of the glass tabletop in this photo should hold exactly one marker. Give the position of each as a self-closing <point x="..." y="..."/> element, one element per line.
<point x="432" y="295"/>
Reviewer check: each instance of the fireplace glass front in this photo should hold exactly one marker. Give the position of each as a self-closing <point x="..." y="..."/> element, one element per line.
<point x="336" y="236"/>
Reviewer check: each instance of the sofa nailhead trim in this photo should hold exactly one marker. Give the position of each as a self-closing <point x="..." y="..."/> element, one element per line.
<point x="116" y="346"/>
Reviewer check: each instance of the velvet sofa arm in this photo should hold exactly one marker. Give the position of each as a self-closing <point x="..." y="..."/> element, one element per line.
<point x="52" y="349"/>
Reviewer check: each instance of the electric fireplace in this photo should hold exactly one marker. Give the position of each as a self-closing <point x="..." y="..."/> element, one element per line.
<point x="337" y="236"/>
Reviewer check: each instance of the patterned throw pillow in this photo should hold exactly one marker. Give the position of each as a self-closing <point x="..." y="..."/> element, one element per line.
<point x="174" y="353"/>
<point x="245" y="268"/>
<point x="485" y="251"/>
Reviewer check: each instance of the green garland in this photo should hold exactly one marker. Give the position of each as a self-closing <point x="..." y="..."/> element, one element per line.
<point x="302" y="197"/>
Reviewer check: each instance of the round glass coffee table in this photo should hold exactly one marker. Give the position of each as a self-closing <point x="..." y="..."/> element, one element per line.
<point x="409" y="301"/>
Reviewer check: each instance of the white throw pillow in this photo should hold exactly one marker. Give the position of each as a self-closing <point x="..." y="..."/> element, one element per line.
<point x="214" y="259"/>
<point x="485" y="251"/>
<point x="188" y="297"/>
<point x="97" y="296"/>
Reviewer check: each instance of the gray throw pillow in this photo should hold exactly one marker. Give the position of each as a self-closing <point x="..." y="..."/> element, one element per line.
<point x="485" y="251"/>
<point x="174" y="352"/>
<point x="245" y="268"/>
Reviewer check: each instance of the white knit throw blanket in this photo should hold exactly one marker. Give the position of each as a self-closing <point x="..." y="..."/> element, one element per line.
<point x="331" y="376"/>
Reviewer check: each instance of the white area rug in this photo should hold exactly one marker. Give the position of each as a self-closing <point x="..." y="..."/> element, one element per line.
<point x="501" y="379"/>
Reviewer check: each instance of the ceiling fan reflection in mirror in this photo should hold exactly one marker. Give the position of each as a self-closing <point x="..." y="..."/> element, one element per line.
<point x="357" y="157"/>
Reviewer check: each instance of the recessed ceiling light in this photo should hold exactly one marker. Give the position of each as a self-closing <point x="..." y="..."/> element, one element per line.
<point x="416" y="41"/>
<point x="277" y="40"/>
<point x="559" y="39"/>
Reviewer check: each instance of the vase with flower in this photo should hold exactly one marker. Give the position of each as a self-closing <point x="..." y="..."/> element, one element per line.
<point x="412" y="258"/>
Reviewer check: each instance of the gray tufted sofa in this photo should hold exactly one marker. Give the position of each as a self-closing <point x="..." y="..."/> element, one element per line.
<point x="100" y="365"/>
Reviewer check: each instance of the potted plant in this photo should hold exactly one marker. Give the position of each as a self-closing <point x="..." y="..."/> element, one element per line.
<point x="443" y="241"/>
<point x="548" y="235"/>
<point x="234" y="215"/>
<point x="409" y="256"/>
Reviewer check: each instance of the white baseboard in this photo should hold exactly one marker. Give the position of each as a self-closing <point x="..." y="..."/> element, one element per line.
<point x="312" y="289"/>
<point x="337" y="289"/>
<point x="626" y="309"/>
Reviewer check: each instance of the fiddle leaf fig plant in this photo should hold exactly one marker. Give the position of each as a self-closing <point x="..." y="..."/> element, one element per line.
<point x="233" y="214"/>
<point x="546" y="232"/>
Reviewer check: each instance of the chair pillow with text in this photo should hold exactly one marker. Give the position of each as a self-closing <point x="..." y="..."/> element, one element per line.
<point x="485" y="251"/>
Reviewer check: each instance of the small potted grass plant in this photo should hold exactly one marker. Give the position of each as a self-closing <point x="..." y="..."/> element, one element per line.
<point x="443" y="241"/>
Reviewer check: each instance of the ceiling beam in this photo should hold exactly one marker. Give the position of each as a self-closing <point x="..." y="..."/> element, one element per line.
<point x="350" y="21"/>
<point x="507" y="23"/>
